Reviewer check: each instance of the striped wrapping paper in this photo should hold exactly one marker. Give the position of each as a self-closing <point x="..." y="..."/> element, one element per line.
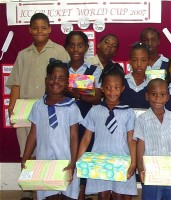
<point x="157" y="170"/>
<point x="21" y="112"/>
<point x="44" y="175"/>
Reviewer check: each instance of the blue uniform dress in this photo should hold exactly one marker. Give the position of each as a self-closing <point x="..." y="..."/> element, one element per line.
<point x="54" y="144"/>
<point x="115" y="143"/>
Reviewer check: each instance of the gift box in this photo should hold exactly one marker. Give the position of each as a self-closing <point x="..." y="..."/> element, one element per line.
<point x="156" y="73"/>
<point x="103" y="166"/>
<point x="85" y="83"/>
<point x="44" y="175"/>
<point x="21" y="112"/>
<point x="157" y="170"/>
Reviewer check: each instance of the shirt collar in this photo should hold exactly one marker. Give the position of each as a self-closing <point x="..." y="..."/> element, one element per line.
<point x="49" y="44"/>
<point x="119" y="106"/>
<point x="66" y="102"/>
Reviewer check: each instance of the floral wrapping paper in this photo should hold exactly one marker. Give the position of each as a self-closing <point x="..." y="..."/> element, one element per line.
<point x="85" y="83"/>
<point x="103" y="166"/>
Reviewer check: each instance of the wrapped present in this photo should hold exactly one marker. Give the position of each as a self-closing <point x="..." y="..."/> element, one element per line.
<point x="156" y="73"/>
<point x="103" y="166"/>
<point x="85" y="83"/>
<point x="157" y="170"/>
<point x="44" y="175"/>
<point x="21" y="112"/>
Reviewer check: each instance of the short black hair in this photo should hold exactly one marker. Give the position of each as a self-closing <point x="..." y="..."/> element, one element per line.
<point x="110" y="35"/>
<point x="39" y="16"/>
<point x="53" y="63"/>
<point x="80" y="33"/>
<point x="157" y="80"/>
<point x="112" y="69"/>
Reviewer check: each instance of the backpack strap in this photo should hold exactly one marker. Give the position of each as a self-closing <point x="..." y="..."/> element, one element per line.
<point x="90" y="70"/>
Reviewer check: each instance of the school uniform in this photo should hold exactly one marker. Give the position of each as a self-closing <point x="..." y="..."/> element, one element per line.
<point x="157" y="139"/>
<point x="29" y="74"/>
<point x="54" y="144"/>
<point x="134" y="95"/>
<point x="115" y="143"/>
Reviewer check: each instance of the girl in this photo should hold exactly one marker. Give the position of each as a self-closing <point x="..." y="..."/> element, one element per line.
<point x="55" y="139"/>
<point x="117" y="142"/>
<point x="76" y="44"/>
<point x="136" y="81"/>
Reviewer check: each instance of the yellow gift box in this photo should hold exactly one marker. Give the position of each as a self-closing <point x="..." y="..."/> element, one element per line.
<point x="157" y="170"/>
<point x="21" y="112"/>
<point x="156" y="73"/>
<point x="44" y="175"/>
<point x="103" y="166"/>
<point x="85" y="83"/>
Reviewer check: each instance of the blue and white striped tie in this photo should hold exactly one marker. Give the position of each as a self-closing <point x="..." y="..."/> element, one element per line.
<point x="111" y="122"/>
<point x="53" y="122"/>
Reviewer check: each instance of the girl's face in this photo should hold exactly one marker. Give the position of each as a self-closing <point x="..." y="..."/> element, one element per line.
<point x="56" y="82"/>
<point x="108" y="47"/>
<point x="139" y="61"/>
<point x="157" y="95"/>
<point x="77" y="48"/>
<point x="152" y="41"/>
<point x="40" y="31"/>
<point x="112" y="87"/>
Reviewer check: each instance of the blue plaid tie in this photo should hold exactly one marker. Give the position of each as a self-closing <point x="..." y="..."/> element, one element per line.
<point x="111" y="122"/>
<point x="53" y="122"/>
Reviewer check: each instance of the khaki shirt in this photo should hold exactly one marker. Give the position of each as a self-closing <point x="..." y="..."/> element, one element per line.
<point x="29" y="69"/>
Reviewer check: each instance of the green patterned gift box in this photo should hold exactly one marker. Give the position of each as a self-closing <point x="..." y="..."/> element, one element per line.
<point x="21" y="112"/>
<point x="44" y="175"/>
<point x="103" y="166"/>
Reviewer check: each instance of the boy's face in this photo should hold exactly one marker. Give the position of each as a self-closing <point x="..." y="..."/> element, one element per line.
<point x="108" y="47"/>
<point x="157" y="95"/>
<point x="112" y="88"/>
<point x="139" y="61"/>
<point x="56" y="82"/>
<point x="76" y="48"/>
<point x="152" y="41"/>
<point x="40" y="31"/>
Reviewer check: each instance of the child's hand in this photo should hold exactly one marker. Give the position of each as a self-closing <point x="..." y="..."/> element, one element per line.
<point x="23" y="164"/>
<point x="70" y="168"/>
<point x="131" y="171"/>
<point x="142" y="175"/>
<point x="74" y="92"/>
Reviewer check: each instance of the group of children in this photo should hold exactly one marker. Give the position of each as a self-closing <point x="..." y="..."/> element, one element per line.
<point x="109" y="126"/>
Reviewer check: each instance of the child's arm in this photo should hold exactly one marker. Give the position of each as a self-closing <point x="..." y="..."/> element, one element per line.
<point x="30" y="145"/>
<point x="84" y="142"/>
<point x="87" y="98"/>
<point x="140" y="153"/>
<point x="132" y="150"/>
<point x="15" y="94"/>
<point x="74" y="149"/>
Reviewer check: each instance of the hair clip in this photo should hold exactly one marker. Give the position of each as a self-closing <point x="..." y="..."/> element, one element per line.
<point x="54" y="61"/>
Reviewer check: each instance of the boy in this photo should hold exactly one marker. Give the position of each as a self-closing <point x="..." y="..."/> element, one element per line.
<point x="27" y="77"/>
<point x="153" y="134"/>
<point x="107" y="49"/>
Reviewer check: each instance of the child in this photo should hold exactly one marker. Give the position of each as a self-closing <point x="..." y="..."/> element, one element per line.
<point x="76" y="44"/>
<point x="106" y="50"/>
<point x="153" y="134"/>
<point x="151" y="37"/>
<point x="55" y="141"/>
<point x="136" y="81"/>
<point x="117" y="142"/>
<point x="27" y="77"/>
